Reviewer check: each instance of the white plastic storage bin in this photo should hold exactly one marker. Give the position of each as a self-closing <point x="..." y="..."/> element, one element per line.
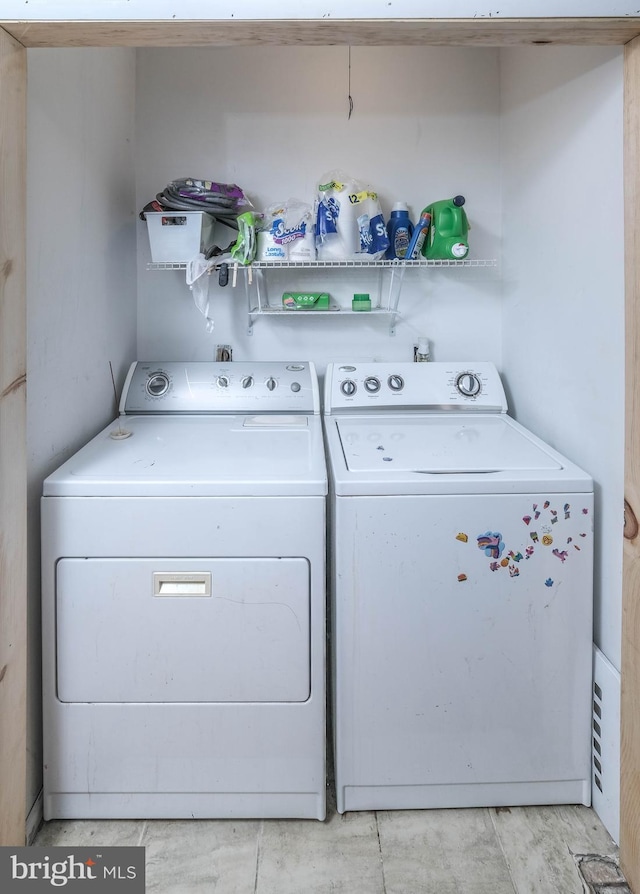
<point x="178" y="236"/>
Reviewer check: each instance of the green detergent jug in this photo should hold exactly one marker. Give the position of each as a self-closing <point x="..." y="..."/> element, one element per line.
<point x="447" y="237"/>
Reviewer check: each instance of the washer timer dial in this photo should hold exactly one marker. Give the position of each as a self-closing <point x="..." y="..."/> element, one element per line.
<point x="468" y="384"/>
<point x="157" y="384"/>
<point x="348" y="387"/>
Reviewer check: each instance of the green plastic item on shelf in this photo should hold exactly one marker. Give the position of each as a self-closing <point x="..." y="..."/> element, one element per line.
<point x="361" y="302"/>
<point x="244" y="251"/>
<point x="306" y="300"/>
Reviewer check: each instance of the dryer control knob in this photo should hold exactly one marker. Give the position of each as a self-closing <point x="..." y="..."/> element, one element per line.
<point x="247" y="381"/>
<point x="395" y="382"/>
<point x="222" y="382"/>
<point x="348" y="387"/>
<point x="157" y="384"/>
<point x="372" y="384"/>
<point x="468" y="384"/>
<point x="271" y="384"/>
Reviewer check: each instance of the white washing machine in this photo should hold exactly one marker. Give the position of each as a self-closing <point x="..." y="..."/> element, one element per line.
<point x="184" y="601"/>
<point x="462" y="550"/>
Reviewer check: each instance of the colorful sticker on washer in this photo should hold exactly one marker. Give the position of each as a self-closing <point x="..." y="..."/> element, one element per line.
<point x="491" y="543"/>
<point x="462" y="577"/>
<point x="547" y="539"/>
<point x="463" y="538"/>
<point x="561" y="554"/>
<point x="548" y="582"/>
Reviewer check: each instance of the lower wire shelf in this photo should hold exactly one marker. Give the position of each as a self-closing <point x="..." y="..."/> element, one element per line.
<point x="333" y="309"/>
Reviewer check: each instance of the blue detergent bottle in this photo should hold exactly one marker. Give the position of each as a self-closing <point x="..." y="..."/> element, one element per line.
<point x="399" y="230"/>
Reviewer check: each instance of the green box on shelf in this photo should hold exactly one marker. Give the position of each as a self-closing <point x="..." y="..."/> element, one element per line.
<point x="306" y="300"/>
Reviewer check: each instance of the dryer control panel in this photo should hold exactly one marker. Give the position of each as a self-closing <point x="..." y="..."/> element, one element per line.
<point x="406" y="386"/>
<point x="212" y="387"/>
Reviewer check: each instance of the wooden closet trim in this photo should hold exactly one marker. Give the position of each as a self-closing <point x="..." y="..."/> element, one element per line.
<point x="630" y="706"/>
<point x="479" y="32"/>
<point x="13" y="452"/>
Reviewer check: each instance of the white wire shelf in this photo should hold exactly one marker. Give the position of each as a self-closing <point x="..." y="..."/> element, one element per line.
<point x="332" y="309"/>
<point x="337" y="265"/>
<point x="373" y="265"/>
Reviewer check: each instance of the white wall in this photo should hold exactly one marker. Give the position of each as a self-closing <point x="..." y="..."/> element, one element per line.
<point x="275" y="120"/>
<point x="563" y="269"/>
<point x="81" y="300"/>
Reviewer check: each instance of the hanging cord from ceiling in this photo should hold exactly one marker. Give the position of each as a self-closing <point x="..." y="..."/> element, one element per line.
<point x="349" y="97"/>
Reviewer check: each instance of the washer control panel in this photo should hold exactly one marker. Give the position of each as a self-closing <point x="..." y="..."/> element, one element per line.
<point x="211" y="387"/>
<point x="407" y="385"/>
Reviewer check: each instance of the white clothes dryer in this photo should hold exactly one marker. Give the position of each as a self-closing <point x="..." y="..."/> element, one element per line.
<point x="183" y="600"/>
<point x="461" y="614"/>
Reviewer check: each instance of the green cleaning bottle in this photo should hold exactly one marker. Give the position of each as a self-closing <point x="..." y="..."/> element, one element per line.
<point x="449" y="230"/>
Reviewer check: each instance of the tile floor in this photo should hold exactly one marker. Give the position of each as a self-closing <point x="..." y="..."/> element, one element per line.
<point x="525" y="850"/>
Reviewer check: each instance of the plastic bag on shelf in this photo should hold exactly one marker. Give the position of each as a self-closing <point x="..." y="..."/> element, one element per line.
<point x="349" y="220"/>
<point x="198" y="281"/>
<point x="244" y="250"/>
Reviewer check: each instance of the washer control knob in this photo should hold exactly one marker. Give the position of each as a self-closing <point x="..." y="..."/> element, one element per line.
<point x="372" y="384"/>
<point x="247" y="381"/>
<point x="157" y="384"/>
<point x="295" y="387"/>
<point x="223" y="381"/>
<point x="468" y="384"/>
<point x="271" y="383"/>
<point x="395" y="382"/>
<point x="348" y="387"/>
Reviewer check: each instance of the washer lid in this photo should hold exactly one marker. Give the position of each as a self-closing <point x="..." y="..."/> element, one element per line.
<point x="198" y="456"/>
<point x="440" y="444"/>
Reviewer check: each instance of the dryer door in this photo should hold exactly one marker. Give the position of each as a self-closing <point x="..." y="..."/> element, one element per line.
<point x="183" y="630"/>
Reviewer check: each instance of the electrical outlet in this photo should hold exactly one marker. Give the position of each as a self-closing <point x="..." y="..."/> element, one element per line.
<point x="224" y="353"/>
